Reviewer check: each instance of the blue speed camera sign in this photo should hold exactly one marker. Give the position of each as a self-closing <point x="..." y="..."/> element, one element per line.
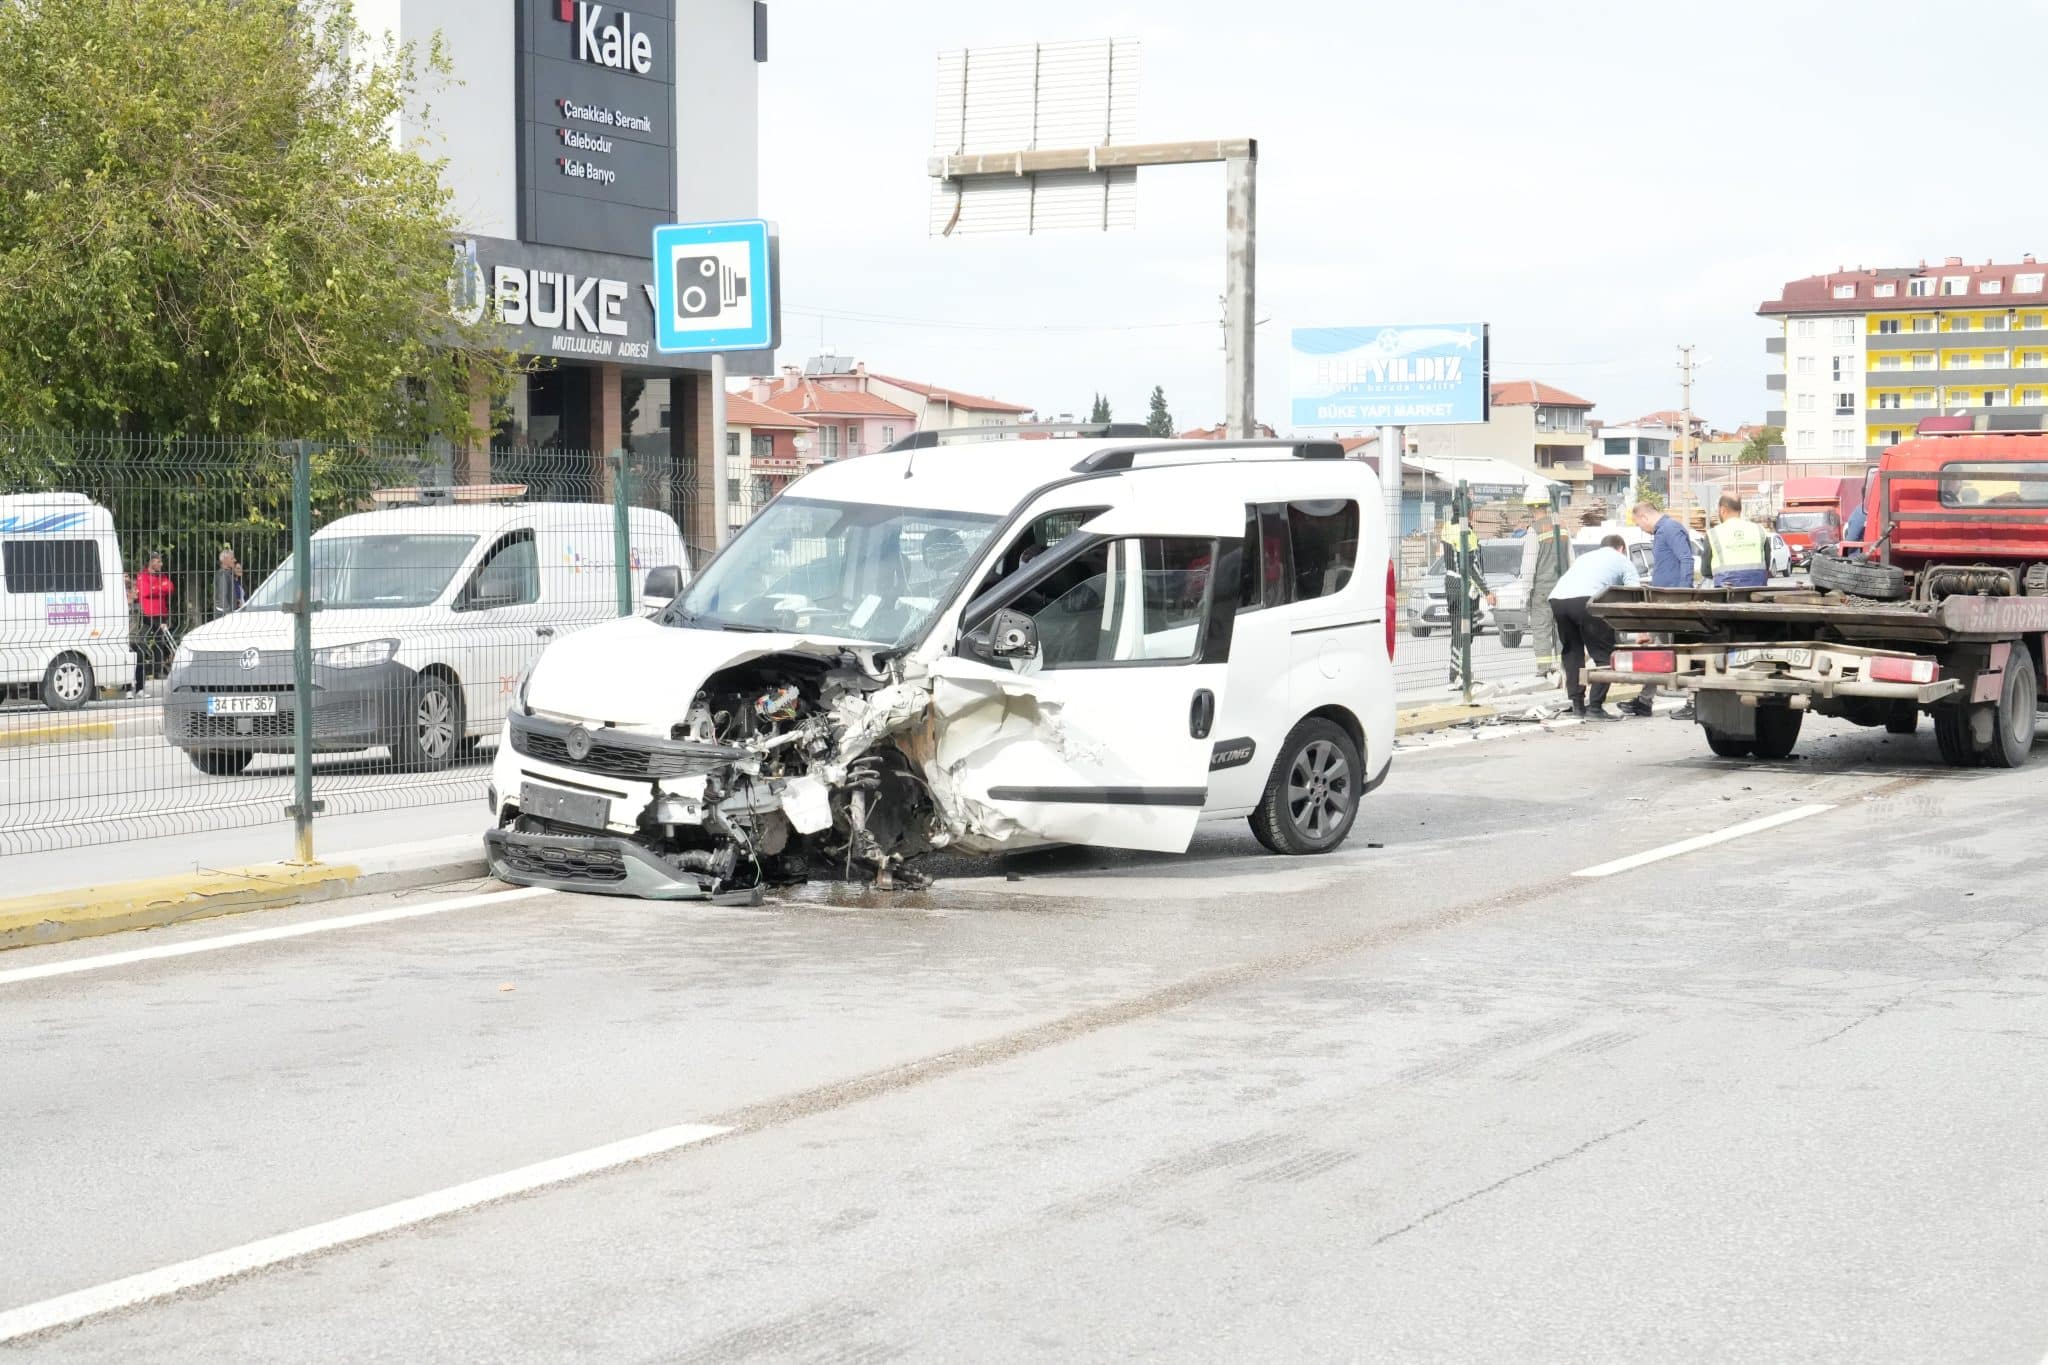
<point x="713" y="289"/>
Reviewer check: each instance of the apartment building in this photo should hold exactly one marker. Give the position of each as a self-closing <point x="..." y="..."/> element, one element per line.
<point x="856" y="411"/>
<point x="1536" y="426"/>
<point x="1866" y="354"/>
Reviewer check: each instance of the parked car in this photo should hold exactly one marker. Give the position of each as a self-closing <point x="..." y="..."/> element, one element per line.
<point x="64" y="629"/>
<point x="427" y="617"/>
<point x="1501" y="563"/>
<point x="980" y="647"/>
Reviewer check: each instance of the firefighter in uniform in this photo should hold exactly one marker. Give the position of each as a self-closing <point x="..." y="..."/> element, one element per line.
<point x="1459" y="535"/>
<point x="1741" y="554"/>
<point x="1546" y="554"/>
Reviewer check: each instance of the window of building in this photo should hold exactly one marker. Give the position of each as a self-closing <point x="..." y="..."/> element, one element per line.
<point x="888" y="436"/>
<point x="52" y="565"/>
<point x="732" y="490"/>
<point x="1805" y="365"/>
<point x="1845" y="367"/>
<point x="1994" y="398"/>
<point x="1805" y="441"/>
<point x="1959" y="360"/>
<point x="1890" y="400"/>
<point x="1845" y="291"/>
<point x="1923" y="324"/>
<point x="1991" y="286"/>
<point x="1803" y="327"/>
<point x="1995" y="323"/>
<point x="1955" y="284"/>
<point x="1887" y="362"/>
<point x="1615" y="445"/>
<point x="1845" y="402"/>
<point x="853" y="438"/>
<point x="2031" y="397"/>
<point x="1887" y="326"/>
<point x="2027" y="284"/>
<point x="828" y="443"/>
<point x="1845" y="439"/>
<point x="732" y="445"/>
<point x="764" y="446"/>
<point x="1886" y="290"/>
<point x="1993" y="360"/>
<point x="1923" y="362"/>
<point x="1919" y="288"/>
<point x="1959" y="324"/>
<point x="1891" y="436"/>
<point x="1805" y="405"/>
<point x="1845" y="329"/>
<point x="2031" y="321"/>
<point x="2030" y="359"/>
<point x="1923" y="398"/>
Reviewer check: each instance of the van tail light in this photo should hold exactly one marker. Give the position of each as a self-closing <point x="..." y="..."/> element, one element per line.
<point x="1390" y="610"/>
<point x="1894" y="669"/>
<point x="1645" y="661"/>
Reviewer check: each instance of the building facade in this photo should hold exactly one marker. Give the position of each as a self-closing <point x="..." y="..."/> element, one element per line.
<point x="1533" y="425"/>
<point x="765" y="451"/>
<point x="568" y="130"/>
<point x="1865" y="355"/>
<point x="857" y="411"/>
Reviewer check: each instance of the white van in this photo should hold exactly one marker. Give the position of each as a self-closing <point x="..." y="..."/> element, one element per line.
<point x="425" y="618"/>
<point x="63" y="600"/>
<point x="982" y="646"/>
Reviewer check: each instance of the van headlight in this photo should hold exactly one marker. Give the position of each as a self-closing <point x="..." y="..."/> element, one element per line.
<point x="519" y="694"/>
<point x="183" y="655"/>
<point x="362" y="654"/>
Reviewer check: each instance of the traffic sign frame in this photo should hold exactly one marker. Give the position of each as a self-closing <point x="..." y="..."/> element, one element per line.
<point x="675" y="240"/>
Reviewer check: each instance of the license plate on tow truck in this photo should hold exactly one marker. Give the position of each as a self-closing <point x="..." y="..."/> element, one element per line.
<point x="1795" y="658"/>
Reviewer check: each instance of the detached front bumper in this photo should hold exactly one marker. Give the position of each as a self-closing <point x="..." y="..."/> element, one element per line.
<point x="599" y="864"/>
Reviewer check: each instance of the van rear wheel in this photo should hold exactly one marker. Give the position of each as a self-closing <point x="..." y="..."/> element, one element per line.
<point x="1312" y="797"/>
<point x="67" y="683"/>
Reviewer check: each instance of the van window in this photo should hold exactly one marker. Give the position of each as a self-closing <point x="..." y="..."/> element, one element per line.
<point x="397" y="570"/>
<point x="50" y="565"/>
<point x="1324" y="539"/>
<point x="1045" y="531"/>
<point x="508" y="577"/>
<point x="1124" y="602"/>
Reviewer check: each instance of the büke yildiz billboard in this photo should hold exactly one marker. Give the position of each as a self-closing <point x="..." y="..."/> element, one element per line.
<point x="1421" y="375"/>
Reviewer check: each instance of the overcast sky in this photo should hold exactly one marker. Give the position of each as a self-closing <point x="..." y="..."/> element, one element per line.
<point x="1600" y="182"/>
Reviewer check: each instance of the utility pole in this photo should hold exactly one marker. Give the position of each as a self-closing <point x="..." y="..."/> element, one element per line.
<point x="1240" y="342"/>
<point x="1685" y="422"/>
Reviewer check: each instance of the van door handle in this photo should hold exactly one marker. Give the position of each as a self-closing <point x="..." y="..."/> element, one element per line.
<point x="1202" y="713"/>
<point x="545" y="632"/>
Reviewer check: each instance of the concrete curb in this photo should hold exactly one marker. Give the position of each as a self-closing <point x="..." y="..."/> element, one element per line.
<point x="1420" y="720"/>
<point x="60" y="916"/>
<point x="91" y="726"/>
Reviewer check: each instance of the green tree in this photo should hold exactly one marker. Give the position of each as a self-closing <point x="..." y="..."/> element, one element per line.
<point x="1757" y="450"/>
<point x="1100" y="412"/>
<point x="207" y="226"/>
<point x="1158" y="421"/>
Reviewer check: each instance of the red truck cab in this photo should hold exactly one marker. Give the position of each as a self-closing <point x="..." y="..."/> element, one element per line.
<point x="1814" y="511"/>
<point x="1980" y="497"/>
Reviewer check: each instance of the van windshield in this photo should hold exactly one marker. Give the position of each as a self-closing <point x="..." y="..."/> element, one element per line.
<point x="851" y="570"/>
<point x="369" y="571"/>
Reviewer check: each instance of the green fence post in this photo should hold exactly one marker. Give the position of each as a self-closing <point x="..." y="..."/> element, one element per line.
<point x="622" y="530"/>
<point x="303" y="606"/>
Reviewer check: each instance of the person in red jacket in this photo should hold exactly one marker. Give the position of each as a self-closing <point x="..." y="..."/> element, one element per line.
<point x="152" y="593"/>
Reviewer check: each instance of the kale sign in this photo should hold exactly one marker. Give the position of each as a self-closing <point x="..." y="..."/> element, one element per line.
<point x="597" y="150"/>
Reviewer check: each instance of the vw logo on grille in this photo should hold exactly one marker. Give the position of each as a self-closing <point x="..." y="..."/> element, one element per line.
<point x="251" y="657"/>
<point x="578" y="744"/>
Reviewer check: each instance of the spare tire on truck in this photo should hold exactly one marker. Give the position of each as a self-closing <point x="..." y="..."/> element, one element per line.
<point x="1858" y="578"/>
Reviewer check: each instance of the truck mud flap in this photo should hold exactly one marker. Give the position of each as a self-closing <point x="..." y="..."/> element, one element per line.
<point x="1724" y="713"/>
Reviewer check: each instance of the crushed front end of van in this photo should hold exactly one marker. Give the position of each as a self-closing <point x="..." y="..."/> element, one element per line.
<point x="724" y="763"/>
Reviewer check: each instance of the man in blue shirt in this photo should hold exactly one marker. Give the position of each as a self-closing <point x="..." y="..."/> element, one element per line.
<point x="1578" y="630"/>
<point x="1670" y="567"/>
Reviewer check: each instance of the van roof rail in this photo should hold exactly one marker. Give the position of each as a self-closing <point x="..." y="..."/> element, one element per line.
<point x="925" y="440"/>
<point x="443" y="495"/>
<point x="1125" y="457"/>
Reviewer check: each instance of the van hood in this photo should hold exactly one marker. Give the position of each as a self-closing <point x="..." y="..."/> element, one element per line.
<point x="270" y="630"/>
<point x="634" y="673"/>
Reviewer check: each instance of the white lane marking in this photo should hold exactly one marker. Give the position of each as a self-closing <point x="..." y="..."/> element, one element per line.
<point x="220" y="941"/>
<point x="1634" y="860"/>
<point x="173" y="1279"/>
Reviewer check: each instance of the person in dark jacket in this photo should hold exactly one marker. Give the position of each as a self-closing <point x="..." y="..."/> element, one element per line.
<point x="227" y="584"/>
<point x="1671" y="566"/>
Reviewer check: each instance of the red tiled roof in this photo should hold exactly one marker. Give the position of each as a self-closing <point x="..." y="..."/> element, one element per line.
<point x="1606" y="470"/>
<point x="1521" y="393"/>
<point x="1816" y="293"/>
<point x="811" y="399"/>
<point x="742" y="411"/>
<point x="953" y="396"/>
<point x="1354" y="444"/>
<point x="1217" y="433"/>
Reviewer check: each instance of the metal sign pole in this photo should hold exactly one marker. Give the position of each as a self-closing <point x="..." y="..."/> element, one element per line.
<point x="622" y="528"/>
<point x="720" y="474"/>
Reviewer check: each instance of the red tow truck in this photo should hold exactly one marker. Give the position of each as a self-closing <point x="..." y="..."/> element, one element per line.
<point x="1942" y="609"/>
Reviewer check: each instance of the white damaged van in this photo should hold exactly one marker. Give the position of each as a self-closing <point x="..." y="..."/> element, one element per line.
<point x="64" y="630"/>
<point x="426" y="617"/>
<point x="980" y="646"/>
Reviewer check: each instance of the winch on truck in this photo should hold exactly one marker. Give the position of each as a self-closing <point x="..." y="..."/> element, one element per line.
<point x="1943" y="609"/>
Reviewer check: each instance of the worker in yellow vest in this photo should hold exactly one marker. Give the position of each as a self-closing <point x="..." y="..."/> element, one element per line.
<point x="1741" y="554"/>
<point x="1471" y="585"/>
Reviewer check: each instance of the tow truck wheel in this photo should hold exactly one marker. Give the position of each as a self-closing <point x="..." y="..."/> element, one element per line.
<point x="2012" y="735"/>
<point x="1902" y="719"/>
<point x="1952" y="736"/>
<point x="1777" y="730"/>
<point x="1726" y="745"/>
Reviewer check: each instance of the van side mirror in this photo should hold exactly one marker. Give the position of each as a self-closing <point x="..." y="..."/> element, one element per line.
<point x="665" y="583"/>
<point x="1013" y="635"/>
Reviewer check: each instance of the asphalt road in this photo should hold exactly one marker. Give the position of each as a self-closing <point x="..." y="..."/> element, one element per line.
<point x="1434" y="1097"/>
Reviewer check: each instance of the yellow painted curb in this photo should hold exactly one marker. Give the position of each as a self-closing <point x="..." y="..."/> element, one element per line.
<point x="56" y="916"/>
<point x="55" y="731"/>
<point x="1420" y="719"/>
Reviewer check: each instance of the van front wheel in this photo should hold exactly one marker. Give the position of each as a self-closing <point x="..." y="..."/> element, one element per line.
<point x="1312" y="797"/>
<point x="67" y="683"/>
<point x="430" y="735"/>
